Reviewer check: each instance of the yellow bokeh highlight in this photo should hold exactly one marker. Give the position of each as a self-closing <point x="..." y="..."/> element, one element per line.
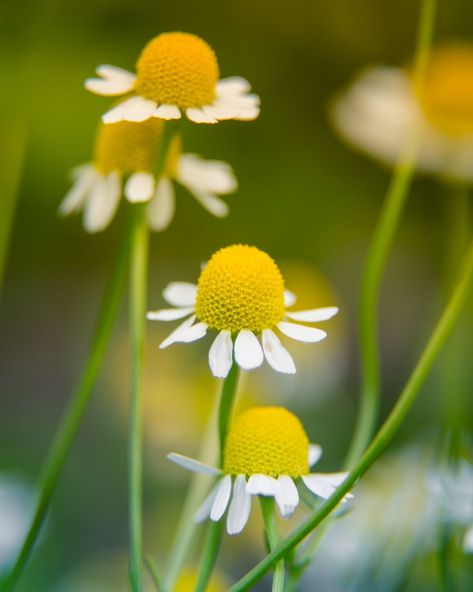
<point x="177" y="69"/>
<point x="269" y="441"/>
<point x="241" y="287"/>
<point x="188" y="579"/>
<point x="446" y="95"/>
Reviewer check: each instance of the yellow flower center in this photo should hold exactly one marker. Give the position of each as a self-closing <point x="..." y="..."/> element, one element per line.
<point x="269" y="441"/>
<point x="446" y="96"/>
<point x="241" y="287"/>
<point x="129" y="147"/>
<point x="177" y="69"/>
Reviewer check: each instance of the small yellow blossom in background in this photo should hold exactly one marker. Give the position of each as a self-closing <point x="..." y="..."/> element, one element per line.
<point x="240" y="294"/>
<point x="381" y="110"/>
<point x="124" y="159"/>
<point x="176" y="72"/>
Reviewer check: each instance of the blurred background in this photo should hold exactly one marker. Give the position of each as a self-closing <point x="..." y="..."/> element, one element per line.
<point x="305" y="198"/>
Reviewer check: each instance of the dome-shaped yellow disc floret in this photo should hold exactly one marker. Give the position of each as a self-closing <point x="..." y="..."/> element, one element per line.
<point x="127" y="147"/>
<point x="177" y="69"/>
<point x="241" y="287"/>
<point x="269" y="441"/>
<point x="446" y="95"/>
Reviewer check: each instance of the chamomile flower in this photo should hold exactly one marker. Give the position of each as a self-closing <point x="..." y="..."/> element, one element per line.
<point x="267" y="453"/>
<point x="176" y="73"/>
<point x="240" y="294"/>
<point x="124" y="158"/>
<point x="381" y="110"/>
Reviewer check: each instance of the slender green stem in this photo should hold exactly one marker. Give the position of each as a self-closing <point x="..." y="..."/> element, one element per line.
<point x="273" y="539"/>
<point x="214" y="535"/>
<point x="138" y="285"/>
<point x="385" y="434"/>
<point x="75" y="411"/>
<point x="155" y="575"/>
<point x="378" y="253"/>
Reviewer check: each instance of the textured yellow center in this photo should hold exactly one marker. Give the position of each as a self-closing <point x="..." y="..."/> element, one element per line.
<point x="446" y="96"/>
<point x="177" y="69"/>
<point x="269" y="441"/>
<point x="240" y="288"/>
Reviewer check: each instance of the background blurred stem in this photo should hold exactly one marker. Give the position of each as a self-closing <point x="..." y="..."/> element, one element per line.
<point x="214" y="535"/>
<point x="378" y="253"/>
<point x="73" y="416"/>
<point x="385" y="434"/>
<point x="272" y="537"/>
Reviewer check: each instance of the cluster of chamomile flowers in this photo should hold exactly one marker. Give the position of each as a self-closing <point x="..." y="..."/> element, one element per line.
<point x="240" y="293"/>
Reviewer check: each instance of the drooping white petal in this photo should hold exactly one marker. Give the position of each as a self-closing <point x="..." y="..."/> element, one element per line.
<point x="212" y="203"/>
<point x="289" y="298"/>
<point x="203" y="511"/>
<point x="221" y="354"/>
<point x="139" y="187"/>
<point x="169" y="314"/>
<point x="113" y="81"/>
<point x="315" y="453"/>
<point x="314" y="315"/>
<point x="167" y="112"/>
<point x="301" y="332"/>
<point x="135" y="109"/>
<point x="173" y="337"/>
<point x="162" y="205"/>
<point x="240" y="507"/>
<point x="193" y="333"/>
<point x="276" y="355"/>
<point x="248" y="351"/>
<point x="334" y="479"/>
<point x="321" y="486"/>
<point x="221" y="498"/>
<point x="208" y="176"/>
<point x="76" y="196"/>
<point x="115" y="72"/>
<point x="287" y="496"/>
<point x="262" y="485"/>
<point x="180" y="294"/>
<point x="193" y="465"/>
<point x="233" y="85"/>
<point x="199" y="116"/>
<point x="102" y="203"/>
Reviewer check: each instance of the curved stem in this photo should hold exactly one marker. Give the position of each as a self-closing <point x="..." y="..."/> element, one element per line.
<point x="272" y="536"/>
<point x="138" y="279"/>
<point x="214" y="535"/>
<point x="378" y="253"/>
<point x="74" y="413"/>
<point x="385" y="434"/>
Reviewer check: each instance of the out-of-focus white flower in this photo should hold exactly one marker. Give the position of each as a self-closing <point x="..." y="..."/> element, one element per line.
<point x="15" y="502"/>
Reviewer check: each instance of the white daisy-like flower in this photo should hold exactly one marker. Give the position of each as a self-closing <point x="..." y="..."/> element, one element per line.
<point x="124" y="159"/>
<point x="381" y="111"/>
<point x="267" y="453"/>
<point x="176" y="73"/>
<point x="240" y="294"/>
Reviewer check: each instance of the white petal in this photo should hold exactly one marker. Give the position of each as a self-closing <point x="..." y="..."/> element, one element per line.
<point x="315" y="453"/>
<point x="113" y="81"/>
<point x="248" y="351"/>
<point x="468" y="541"/>
<point x="139" y="187"/>
<point x="169" y="314"/>
<point x="193" y="333"/>
<point x="167" y="112"/>
<point x="173" y="337"/>
<point x="221" y="354"/>
<point x="301" y="332"/>
<point x="193" y="465"/>
<point x="208" y="176"/>
<point x="135" y="109"/>
<point x="233" y="85"/>
<point x="114" y="72"/>
<point x="221" y="499"/>
<point x="262" y="485"/>
<point x="334" y="479"/>
<point x="76" y="196"/>
<point x="180" y="294"/>
<point x="212" y="204"/>
<point x="321" y="486"/>
<point x="276" y="355"/>
<point x="287" y="496"/>
<point x="103" y="202"/>
<point x="314" y="315"/>
<point x="289" y="298"/>
<point x="198" y="116"/>
<point x="240" y="507"/>
<point x="161" y="207"/>
<point x="203" y="511"/>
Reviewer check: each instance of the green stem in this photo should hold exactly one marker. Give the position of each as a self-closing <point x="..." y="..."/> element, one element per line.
<point x="73" y="416"/>
<point x="155" y="575"/>
<point x="385" y="434"/>
<point x="378" y="252"/>
<point x="138" y="278"/>
<point x="272" y="536"/>
<point x="214" y="535"/>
